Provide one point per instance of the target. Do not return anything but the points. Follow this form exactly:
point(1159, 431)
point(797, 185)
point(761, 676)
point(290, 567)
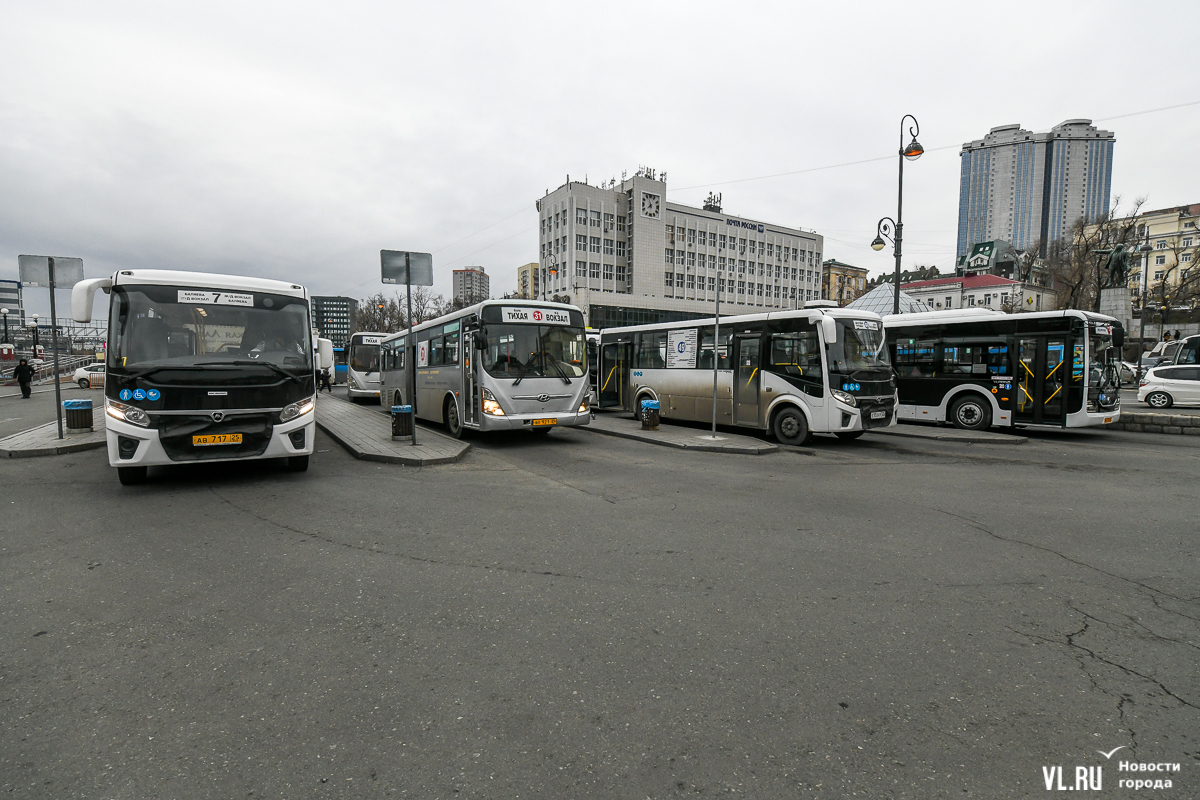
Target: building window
point(1159, 274)
point(608, 247)
point(721, 262)
point(712, 239)
point(595, 219)
point(620, 272)
point(581, 243)
point(669, 280)
point(581, 269)
point(1161, 244)
point(971, 300)
point(581, 216)
point(620, 249)
point(608, 272)
point(949, 302)
point(669, 258)
point(721, 241)
point(691, 281)
point(712, 283)
point(691, 259)
point(770, 250)
point(741, 245)
point(760, 288)
point(594, 269)
point(608, 222)
point(742, 266)
point(595, 244)
point(987, 299)
point(741, 287)
point(691, 236)
point(1187, 241)
point(1160, 260)
point(702, 261)
point(620, 223)
point(795, 254)
point(751, 245)
point(785, 253)
point(1186, 258)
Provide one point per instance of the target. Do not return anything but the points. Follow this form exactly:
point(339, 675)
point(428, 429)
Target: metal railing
point(66, 366)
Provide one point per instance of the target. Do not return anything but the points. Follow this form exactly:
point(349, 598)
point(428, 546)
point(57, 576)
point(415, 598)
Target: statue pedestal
point(1116, 302)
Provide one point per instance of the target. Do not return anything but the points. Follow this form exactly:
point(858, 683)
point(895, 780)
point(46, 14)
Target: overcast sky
point(295, 140)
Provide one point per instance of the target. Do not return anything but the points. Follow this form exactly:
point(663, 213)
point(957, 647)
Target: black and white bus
point(204, 367)
point(819, 369)
point(976, 368)
point(497, 365)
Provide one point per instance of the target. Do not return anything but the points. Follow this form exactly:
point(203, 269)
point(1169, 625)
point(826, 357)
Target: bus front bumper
point(527, 422)
point(150, 452)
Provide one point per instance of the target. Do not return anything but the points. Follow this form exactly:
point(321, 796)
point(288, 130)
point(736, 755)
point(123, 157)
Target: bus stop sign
point(35, 271)
point(405, 268)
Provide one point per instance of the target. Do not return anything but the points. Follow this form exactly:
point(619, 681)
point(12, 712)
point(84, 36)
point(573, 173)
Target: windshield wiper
point(561, 372)
point(245, 362)
point(143, 373)
point(521, 374)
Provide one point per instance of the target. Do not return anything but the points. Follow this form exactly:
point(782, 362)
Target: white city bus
point(204, 367)
point(819, 369)
point(496, 365)
point(362, 366)
point(976, 368)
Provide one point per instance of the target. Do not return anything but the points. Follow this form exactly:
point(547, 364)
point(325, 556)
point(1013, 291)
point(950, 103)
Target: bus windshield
point(546, 351)
point(364, 357)
point(182, 326)
point(859, 347)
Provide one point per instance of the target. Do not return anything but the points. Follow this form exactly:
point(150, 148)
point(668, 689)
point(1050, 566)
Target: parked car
point(1128, 371)
point(89, 376)
point(1170, 385)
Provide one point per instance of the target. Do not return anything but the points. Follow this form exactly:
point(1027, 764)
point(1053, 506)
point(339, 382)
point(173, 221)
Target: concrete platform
point(917, 431)
point(43, 440)
point(366, 434)
point(680, 436)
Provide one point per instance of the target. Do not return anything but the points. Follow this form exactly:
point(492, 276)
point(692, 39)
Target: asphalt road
point(583, 616)
point(18, 414)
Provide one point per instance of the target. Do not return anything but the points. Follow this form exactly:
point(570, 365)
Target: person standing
point(24, 375)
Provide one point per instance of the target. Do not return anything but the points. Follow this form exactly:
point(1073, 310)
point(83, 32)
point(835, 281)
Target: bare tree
point(1179, 286)
point(1076, 269)
point(379, 313)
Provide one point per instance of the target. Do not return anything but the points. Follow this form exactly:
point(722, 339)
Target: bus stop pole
point(411, 345)
point(716, 355)
point(54, 344)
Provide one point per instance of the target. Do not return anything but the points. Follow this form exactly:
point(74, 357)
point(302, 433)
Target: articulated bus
point(496, 365)
point(975, 368)
point(204, 367)
point(819, 369)
point(362, 370)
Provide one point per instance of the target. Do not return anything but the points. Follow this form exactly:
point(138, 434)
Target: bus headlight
point(297, 409)
point(841, 396)
point(490, 406)
point(126, 413)
point(583, 407)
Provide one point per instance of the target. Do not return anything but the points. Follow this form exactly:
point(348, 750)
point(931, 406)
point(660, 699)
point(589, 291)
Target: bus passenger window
point(437, 350)
point(451, 348)
point(958, 359)
point(997, 359)
point(651, 350)
point(796, 354)
point(914, 358)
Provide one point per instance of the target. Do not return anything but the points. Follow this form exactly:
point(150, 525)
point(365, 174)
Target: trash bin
point(402, 421)
point(649, 415)
point(78, 415)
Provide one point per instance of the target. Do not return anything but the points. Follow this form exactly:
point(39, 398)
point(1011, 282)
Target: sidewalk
point(919, 431)
point(43, 440)
point(366, 433)
point(680, 436)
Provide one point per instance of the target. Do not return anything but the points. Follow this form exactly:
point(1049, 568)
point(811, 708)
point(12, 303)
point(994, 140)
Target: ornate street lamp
point(894, 229)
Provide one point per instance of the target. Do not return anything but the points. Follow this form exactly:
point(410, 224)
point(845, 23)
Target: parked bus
point(819, 369)
point(496, 365)
point(204, 367)
point(362, 370)
point(976, 368)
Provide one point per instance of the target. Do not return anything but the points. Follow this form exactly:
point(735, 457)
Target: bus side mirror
point(829, 329)
point(1118, 338)
point(82, 296)
point(479, 340)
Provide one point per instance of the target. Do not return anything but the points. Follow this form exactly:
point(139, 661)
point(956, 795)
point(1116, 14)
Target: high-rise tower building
point(1025, 187)
point(471, 285)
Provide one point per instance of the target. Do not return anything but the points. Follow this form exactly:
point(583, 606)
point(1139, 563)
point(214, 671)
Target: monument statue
point(1118, 266)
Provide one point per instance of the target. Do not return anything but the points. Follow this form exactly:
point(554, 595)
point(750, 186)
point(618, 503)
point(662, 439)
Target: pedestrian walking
point(324, 383)
point(24, 375)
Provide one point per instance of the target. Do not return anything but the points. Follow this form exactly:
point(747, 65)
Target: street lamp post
point(4, 311)
point(1145, 250)
point(912, 151)
point(34, 325)
point(551, 269)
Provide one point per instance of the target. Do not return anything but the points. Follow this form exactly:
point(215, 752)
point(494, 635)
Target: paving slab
point(367, 435)
point(43, 440)
point(917, 431)
point(679, 436)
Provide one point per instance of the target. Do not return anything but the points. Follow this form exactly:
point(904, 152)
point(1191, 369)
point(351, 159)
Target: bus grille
point(176, 432)
point(886, 405)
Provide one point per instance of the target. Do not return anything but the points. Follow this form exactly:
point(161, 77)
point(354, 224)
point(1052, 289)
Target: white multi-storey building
point(471, 285)
point(626, 256)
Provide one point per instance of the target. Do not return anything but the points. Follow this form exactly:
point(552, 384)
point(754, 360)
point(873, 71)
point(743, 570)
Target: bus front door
point(613, 375)
point(746, 380)
point(1041, 380)
point(470, 388)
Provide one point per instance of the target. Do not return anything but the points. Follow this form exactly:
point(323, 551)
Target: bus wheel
point(1159, 400)
point(131, 476)
point(297, 463)
point(453, 424)
point(971, 413)
point(791, 427)
point(849, 435)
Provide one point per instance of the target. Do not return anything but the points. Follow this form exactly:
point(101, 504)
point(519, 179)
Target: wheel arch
point(957, 393)
point(780, 403)
point(450, 397)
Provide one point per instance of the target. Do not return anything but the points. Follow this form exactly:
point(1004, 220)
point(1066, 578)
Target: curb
point(362, 455)
point(954, 435)
point(745, 450)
